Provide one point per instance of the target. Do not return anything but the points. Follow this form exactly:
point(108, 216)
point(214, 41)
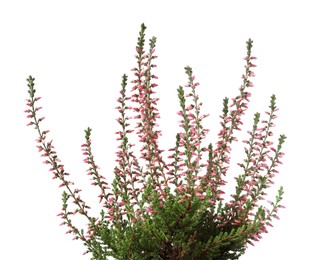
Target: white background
point(78, 51)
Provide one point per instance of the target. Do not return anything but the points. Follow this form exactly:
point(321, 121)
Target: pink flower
point(199, 195)
point(149, 210)
point(183, 199)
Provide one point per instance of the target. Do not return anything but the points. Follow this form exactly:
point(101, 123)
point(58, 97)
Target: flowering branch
point(143, 217)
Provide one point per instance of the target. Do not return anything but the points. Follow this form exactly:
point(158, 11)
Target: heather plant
point(175, 208)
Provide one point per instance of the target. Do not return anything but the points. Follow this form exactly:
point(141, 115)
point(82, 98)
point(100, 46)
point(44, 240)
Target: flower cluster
point(173, 210)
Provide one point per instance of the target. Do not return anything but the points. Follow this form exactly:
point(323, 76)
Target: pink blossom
point(149, 210)
point(183, 199)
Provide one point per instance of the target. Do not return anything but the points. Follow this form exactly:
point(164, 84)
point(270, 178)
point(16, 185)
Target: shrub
point(175, 210)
